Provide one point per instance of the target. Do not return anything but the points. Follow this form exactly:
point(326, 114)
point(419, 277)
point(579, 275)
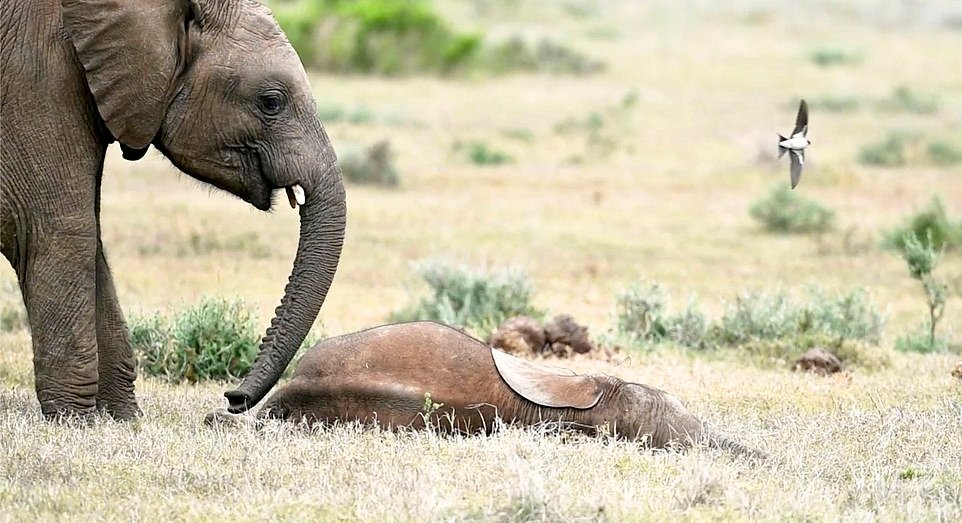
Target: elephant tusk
point(295, 195)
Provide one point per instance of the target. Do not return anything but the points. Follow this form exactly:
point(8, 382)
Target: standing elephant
point(419, 373)
point(212, 84)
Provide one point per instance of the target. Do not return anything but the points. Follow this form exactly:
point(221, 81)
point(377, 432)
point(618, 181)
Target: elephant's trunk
point(318, 251)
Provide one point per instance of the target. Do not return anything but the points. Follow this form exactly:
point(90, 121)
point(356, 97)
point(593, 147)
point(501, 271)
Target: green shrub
point(832, 320)
point(930, 222)
point(480, 153)
point(892, 151)
point(904, 99)
point(641, 317)
point(829, 55)
point(12, 317)
point(785, 211)
point(473, 298)
point(373, 166)
point(765, 326)
point(921, 259)
point(943, 153)
point(213, 340)
point(373, 36)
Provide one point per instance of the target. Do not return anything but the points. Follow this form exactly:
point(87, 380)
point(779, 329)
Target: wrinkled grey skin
point(212, 84)
point(381, 375)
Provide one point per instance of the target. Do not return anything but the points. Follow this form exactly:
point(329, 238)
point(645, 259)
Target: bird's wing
point(797, 156)
point(801, 121)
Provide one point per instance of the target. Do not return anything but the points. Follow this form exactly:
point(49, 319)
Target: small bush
point(904, 99)
point(921, 259)
point(12, 317)
point(784, 211)
point(213, 340)
point(515, 54)
point(374, 36)
point(766, 326)
point(829, 55)
point(480, 153)
point(373, 166)
point(641, 317)
point(758, 316)
point(930, 222)
point(944, 154)
point(892, 151)
point(478, 299)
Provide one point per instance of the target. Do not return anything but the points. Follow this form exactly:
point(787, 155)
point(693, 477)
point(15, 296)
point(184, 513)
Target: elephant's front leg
point(116, 359)
point(59, 291)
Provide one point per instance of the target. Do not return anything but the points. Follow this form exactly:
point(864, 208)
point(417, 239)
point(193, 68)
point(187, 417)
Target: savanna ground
point(661, 193)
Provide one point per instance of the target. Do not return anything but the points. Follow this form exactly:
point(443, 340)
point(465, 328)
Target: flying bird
point(795, 146)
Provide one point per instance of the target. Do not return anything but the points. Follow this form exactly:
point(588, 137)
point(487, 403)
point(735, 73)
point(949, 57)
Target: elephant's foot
point(120, 410)
point(116, 394)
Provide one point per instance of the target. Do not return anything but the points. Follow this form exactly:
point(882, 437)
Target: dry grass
point(669, 203)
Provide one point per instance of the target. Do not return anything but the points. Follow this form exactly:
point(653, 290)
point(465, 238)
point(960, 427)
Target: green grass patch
point(784, 211)
point(474, 298)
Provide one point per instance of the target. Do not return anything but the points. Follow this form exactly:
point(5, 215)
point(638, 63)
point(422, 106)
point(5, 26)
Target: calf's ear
point(546, 385)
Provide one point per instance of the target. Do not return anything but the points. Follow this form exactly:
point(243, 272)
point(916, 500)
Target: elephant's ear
point(545, 385)
point(131, 52)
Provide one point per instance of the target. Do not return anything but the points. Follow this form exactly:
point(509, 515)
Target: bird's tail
point(781, 150)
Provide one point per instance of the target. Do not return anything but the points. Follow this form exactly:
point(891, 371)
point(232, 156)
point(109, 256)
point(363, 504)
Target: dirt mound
point(561, 336)
point(519, 335)
point(564, 336)
point(818, 361)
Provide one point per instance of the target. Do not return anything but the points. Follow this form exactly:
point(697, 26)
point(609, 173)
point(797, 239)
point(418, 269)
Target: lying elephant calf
point(425, 373)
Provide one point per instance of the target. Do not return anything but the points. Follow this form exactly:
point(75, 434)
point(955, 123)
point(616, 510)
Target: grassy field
point(645, 171)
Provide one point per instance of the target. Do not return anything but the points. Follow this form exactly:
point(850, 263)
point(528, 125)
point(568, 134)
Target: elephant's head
point(216, 87)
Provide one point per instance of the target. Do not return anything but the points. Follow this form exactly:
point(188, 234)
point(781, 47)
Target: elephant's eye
point(271, 102)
